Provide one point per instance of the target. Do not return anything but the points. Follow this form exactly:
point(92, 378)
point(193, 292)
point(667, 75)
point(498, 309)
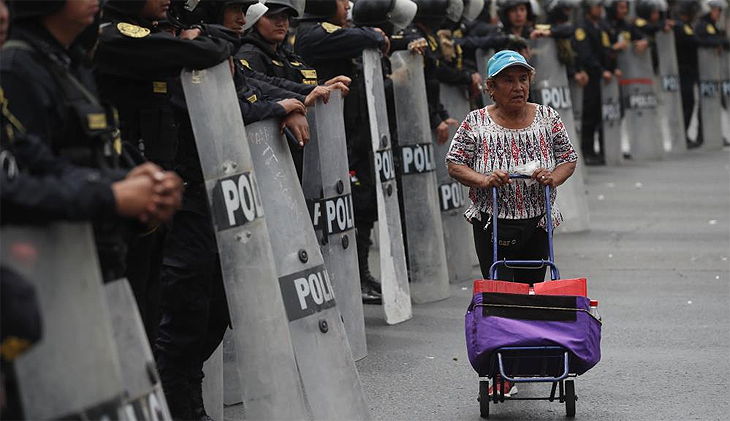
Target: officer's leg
point(218, 322)
point(185, 300)
point(144, 261)
point(591, 120)
point(687, 86)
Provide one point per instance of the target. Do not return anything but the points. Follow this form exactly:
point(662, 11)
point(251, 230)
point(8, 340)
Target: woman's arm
point(471, 178)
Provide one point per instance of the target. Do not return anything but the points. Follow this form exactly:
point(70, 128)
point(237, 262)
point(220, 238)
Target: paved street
point(657, 259)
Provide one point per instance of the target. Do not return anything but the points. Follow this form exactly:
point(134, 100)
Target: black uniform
point(137, 69)
point(686, 44)
point(620, 28)
point(592, 44)
point(281, 62)
point(335, 51)
point(53, 96)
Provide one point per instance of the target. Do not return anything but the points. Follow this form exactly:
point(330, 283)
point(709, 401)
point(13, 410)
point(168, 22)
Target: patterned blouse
point(484, 146)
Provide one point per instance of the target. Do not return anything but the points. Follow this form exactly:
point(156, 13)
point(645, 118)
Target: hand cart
point(527, 364)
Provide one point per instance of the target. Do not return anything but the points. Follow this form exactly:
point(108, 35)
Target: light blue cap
point(505, 59)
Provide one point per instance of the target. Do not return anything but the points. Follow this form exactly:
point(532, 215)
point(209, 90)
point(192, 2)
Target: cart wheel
point(570, 398)
point(484, 399)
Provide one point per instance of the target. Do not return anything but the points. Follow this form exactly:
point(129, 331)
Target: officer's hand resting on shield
point(418, 46)
point(295, 119)
point(640, 46)
point(387, 40)
point(581, 78)
point(442, 130)
point(339, 79)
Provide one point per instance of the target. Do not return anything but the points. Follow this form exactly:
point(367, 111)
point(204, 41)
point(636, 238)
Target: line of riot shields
point(287, 249)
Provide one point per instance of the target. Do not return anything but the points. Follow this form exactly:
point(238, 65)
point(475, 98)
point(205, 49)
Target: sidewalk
point(657, 259)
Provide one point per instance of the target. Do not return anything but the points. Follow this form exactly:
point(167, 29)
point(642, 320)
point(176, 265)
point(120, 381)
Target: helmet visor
point(403, 13)
point(472, 9)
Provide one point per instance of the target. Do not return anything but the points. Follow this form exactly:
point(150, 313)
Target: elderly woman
point(496, 140)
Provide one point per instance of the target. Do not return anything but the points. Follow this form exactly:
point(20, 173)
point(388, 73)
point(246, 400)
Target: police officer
point(650, 19)
point(450, 38)
point(686, 43)
point(592, 45)
point(707, 30)
point(560, 26)
point(137, 70)
point(50, 90)
point(620, 33)
point(481, 33)
point(323, 42)
point(264, 49)
point(264, 52)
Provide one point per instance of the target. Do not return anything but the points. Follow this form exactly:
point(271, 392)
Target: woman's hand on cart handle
point(544, 177)
point(496, 178)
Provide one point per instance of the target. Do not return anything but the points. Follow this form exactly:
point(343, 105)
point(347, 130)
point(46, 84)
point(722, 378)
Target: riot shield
point(725, 89)
point(550, 87)
point(73, 372)
point(427, 268)
point(482, 57)
point(254, 298)
point(393, 271)
point(639, 100)
point(452, 196)
point(145, 399)
point(326, 186)
point(576, 98)
point(670, 96)
point(710, 98)
point(326, 368)
point(213, 394)
point(611, 119)
point(231, 383)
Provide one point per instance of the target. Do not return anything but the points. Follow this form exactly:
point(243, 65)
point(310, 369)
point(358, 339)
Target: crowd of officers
point(95, 125)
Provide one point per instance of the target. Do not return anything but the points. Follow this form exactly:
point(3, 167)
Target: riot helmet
point(32, 9)
point(612, 6)
point(716, 4)
point(472, 9)
point(322, 9)
point(379, 13)
point(213, 10)
point(431, 12)
point(295, 7)
point(644, 8)
point(504, 6)
point(559, 10)
point(688, 8)
point(130, 8)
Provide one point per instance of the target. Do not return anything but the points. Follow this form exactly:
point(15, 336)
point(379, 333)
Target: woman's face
point(518, 15)
point(234, 18)
point(511, 87)
point(273, 28)
point(596, 11)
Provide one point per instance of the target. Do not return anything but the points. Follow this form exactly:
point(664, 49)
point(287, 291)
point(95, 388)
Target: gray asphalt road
point(657, 259)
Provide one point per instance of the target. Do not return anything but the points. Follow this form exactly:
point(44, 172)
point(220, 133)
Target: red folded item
point(562, 287)
point(488, 285)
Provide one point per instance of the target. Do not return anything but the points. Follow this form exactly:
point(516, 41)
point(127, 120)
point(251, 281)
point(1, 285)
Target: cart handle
point(533, 379)
point(554, 273)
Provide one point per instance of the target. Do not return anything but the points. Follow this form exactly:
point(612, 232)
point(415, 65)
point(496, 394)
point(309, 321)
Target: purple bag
point(496, 320)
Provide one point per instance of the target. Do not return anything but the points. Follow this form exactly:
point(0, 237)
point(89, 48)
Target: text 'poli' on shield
point(236, 201)
point(306, 292)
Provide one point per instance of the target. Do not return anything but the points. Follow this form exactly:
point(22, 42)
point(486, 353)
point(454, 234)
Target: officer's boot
point(198, 407)
point(179, 403)
point(369, 286)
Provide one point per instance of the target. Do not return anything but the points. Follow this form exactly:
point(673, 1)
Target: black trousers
point(687, 85)
point(144, 262)
point(592, 119)
point(522, 239)
point(194, 311)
